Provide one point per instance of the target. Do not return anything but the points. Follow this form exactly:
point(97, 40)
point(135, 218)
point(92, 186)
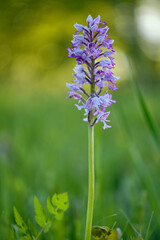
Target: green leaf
point(50, 207)
point(60, 201)
point(40, 215)
point(146, 112)
point(19, 221)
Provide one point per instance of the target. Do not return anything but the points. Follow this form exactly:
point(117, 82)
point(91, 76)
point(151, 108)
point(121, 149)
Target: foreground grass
point(43, 149)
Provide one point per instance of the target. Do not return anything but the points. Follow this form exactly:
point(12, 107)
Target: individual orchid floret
point(93, 51)
point(79, 27)
point(73, 87)
point(103, 118)
point(108, 53)
point(89, 21)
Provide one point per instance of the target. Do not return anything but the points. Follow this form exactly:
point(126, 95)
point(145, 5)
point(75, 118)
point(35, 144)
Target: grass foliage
point(43, 149)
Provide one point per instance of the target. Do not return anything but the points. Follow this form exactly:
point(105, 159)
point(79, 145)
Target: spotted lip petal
point(88, 46)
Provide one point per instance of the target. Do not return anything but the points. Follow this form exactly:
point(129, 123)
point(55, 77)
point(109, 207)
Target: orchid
point(94, 68)
point(88, 46)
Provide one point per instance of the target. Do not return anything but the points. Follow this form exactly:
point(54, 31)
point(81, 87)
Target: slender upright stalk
point(91, 182)
point(90, 165)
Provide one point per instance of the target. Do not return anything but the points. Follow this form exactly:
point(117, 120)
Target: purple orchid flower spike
point(90, 44)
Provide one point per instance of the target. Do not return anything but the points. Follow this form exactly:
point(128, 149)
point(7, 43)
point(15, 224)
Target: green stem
point(91, 182)
point(40, 232)
point(90, 166)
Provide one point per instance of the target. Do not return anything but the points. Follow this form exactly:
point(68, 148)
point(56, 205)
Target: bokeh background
point(43, 140)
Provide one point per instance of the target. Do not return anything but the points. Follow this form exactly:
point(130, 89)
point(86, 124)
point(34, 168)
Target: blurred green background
point(43, 140)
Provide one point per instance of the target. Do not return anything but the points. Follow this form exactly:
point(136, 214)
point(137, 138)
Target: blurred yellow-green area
point(43, 140)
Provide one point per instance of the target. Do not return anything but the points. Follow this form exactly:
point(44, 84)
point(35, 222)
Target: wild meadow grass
point(43, 150)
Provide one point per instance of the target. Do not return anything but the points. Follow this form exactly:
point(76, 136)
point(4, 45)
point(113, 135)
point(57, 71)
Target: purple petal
point(105, 63)
point(79, 107)
point(100, 39)
point(79, 27)
point(74, 95)
point(106, 126)
point(89, 20)
point(108, 53)
point(85, 119)
point(89, 104)
point(73, 87)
